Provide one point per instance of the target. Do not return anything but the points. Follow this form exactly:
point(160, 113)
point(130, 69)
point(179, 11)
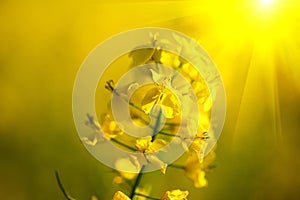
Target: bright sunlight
point(266, 2)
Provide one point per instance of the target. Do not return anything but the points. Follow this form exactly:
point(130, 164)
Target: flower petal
point(175, 195)
point(157, 162)
point(120, 196)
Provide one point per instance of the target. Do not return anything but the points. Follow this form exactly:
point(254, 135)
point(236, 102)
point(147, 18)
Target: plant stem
point(177, 166)
point(157, 123)
point(135, 106)
point(172, 124)
point(167, 134)
point(139, 177)
point(61, 187)
point(137, 182)
point(122, 144)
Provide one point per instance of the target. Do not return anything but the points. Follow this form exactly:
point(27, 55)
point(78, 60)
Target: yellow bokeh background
point(255, 45)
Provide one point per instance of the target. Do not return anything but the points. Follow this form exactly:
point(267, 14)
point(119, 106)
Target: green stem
point(141, 110)
point(167, 134)
point(135, 106)
point(137, 182)
point(122, 144)
point(61, 187)
point(177, 166)
point(157, 123)
point(172, 135)
point(139, 177)
point(112, 89)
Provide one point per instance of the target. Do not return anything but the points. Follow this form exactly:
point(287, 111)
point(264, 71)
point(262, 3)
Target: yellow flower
point(118, 180)
point(143, 144)
point(169, 59)
point(158, 93)
point(94, 198)
point(91, 142)
point(196, 169)
point(157, 162)
point(175, 195)
point(190, 142)
point(149, 149)
point(146, 146)
point(110, 128)
point(199, 145)
point(198, 176)
point(120, 196)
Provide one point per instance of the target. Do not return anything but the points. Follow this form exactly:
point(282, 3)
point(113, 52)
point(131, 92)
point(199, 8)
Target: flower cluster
point(169, 195)
point(193, 140)
point(107, 131)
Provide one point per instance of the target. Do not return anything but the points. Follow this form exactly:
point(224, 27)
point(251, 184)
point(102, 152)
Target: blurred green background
point(255, 45)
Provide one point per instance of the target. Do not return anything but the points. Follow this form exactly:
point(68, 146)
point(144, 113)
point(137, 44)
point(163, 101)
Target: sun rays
point(249, 41)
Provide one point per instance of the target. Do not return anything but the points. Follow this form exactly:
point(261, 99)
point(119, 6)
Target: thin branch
point(177, 166)
point(61, 187)
point(137, 182)
point(139, 177)
point(167, 134)
point(122, 144)
point(156, 125)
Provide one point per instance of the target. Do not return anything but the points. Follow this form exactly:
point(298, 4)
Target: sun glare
point(266, 2)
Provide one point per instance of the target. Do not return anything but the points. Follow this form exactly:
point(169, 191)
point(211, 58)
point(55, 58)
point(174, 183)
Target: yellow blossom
point(198, 177)
point(91, 142)
point(196, 169)
point(106, 131)
point(157, 162)
point(149, 149)
point(94, 197)
point(146, 146)
point(169, 59)
point(120, 196)
point(143, 144)
point(175, 195)
point(110, 128)
point(190, 142)
point(118, 180)
point(199, 144)
point(157, 93)
point(207, 104)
